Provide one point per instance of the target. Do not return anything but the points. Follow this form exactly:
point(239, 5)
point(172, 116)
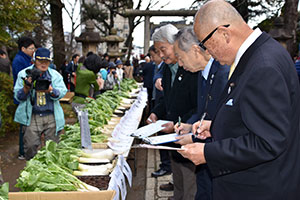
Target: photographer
point(38, 89)
point(112, 77)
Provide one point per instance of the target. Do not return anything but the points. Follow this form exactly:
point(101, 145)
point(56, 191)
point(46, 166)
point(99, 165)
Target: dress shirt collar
point(206, 70)
point(159, 65)
point(247, 43)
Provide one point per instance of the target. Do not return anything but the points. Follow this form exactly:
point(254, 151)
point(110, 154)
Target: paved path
point(152, 184)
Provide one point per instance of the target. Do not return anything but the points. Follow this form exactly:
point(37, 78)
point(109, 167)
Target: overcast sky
point(139, 31)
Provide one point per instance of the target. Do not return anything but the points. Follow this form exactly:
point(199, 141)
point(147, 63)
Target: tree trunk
point(57, 32)
point(129, 39)
point(290, 16)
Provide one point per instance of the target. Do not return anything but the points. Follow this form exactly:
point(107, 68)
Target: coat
point(255, 154)
point(24, 111)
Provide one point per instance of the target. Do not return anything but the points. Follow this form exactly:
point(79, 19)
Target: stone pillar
point(147, 34)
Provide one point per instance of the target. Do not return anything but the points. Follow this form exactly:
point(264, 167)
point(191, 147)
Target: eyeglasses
point(201, 44)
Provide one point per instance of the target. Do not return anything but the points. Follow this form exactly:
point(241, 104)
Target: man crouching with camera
point(38, 89)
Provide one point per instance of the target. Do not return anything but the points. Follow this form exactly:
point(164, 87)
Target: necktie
point(203, 86)
point(232, 68)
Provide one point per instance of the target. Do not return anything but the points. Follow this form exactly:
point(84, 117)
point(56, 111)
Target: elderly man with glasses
point(179, 100)
point(256, 136)
point(212, 78)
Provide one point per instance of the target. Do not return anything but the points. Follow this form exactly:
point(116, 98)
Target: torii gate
point(149, 13)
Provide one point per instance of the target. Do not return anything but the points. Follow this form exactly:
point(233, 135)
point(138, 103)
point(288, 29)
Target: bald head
point(215, 13)
point(221, 29)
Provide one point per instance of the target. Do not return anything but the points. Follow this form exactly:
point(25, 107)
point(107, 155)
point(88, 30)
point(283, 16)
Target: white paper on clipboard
point(149, 146)
point(150, 129)
point(161, 139)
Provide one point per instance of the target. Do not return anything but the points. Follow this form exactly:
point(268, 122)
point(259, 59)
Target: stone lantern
point(89, 38)
point(112, 42)
point(279, 33)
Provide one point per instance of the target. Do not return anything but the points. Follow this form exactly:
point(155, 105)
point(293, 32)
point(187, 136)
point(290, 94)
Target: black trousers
point(164, 157)
point(204, 183)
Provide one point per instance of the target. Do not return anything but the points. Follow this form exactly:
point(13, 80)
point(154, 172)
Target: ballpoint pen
point(201, 121)
point(179, 124)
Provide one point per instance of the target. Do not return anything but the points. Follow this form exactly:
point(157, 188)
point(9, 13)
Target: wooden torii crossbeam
point(149, 13)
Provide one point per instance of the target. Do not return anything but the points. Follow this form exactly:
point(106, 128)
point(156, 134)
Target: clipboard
point(149, 146)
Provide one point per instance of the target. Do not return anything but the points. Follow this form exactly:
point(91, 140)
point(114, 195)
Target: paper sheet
point(161, 139)
point(149, 146)
point(150, 129)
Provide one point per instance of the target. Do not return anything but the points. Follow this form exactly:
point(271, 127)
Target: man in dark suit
point(179, 99)
point(148, 72)
point(255, 152)
point(211, 83)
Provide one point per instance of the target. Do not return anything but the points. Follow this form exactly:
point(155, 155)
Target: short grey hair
point(165, 34)
point(186, 38)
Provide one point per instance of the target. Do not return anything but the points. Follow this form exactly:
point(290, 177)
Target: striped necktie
point(232, 68)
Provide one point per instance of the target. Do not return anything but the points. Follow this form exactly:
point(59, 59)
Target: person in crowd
point(89, 53)
point(297, 65)
point(211, 83)
point(21, 61)
point(52, 65)
point(179, 100)
point(112, 77)
point(147, 59)
point(156, 94)
point(119, 69)
point(4, 62)
point(148, 73)
point(165, 165)
point(103, 70)
point(71, 72)
point(106, 57)
point(128, 70)
point(255, 148)
point(87, 83)
point(63, 72)
point(137, 70)
point(38, 89)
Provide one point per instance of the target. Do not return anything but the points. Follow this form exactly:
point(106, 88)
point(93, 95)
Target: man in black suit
point(211, 83)
point(179, 99)
point(255, 152)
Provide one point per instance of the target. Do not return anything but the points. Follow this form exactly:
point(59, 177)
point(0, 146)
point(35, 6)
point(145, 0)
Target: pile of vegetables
point(55, 166)
point(4, 191)
point(100, 111)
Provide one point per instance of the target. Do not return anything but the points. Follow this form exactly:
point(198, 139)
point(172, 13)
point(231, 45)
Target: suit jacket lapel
point(241, 67)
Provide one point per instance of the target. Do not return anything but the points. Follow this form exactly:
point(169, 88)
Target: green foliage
point(7, 107)
point(16, 16)
point(50, 170)
point(99, 111)
point(4, 191)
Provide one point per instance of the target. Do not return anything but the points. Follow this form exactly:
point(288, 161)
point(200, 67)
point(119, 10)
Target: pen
point(179, 123)
point(201, 121)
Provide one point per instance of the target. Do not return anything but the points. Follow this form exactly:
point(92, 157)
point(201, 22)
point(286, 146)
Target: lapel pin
point(180, 78)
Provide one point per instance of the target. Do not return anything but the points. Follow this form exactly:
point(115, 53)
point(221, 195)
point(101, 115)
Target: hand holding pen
point(201, 129)
point(179, 124)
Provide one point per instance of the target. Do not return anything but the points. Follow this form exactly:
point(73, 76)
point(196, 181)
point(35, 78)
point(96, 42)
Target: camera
point(37, 83)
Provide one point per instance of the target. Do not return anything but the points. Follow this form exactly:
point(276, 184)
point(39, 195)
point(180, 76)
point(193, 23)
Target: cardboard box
point(101, 195)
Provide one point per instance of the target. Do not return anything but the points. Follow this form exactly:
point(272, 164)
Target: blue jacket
point(215, 84)
point(20, 62)
point(24, 110)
